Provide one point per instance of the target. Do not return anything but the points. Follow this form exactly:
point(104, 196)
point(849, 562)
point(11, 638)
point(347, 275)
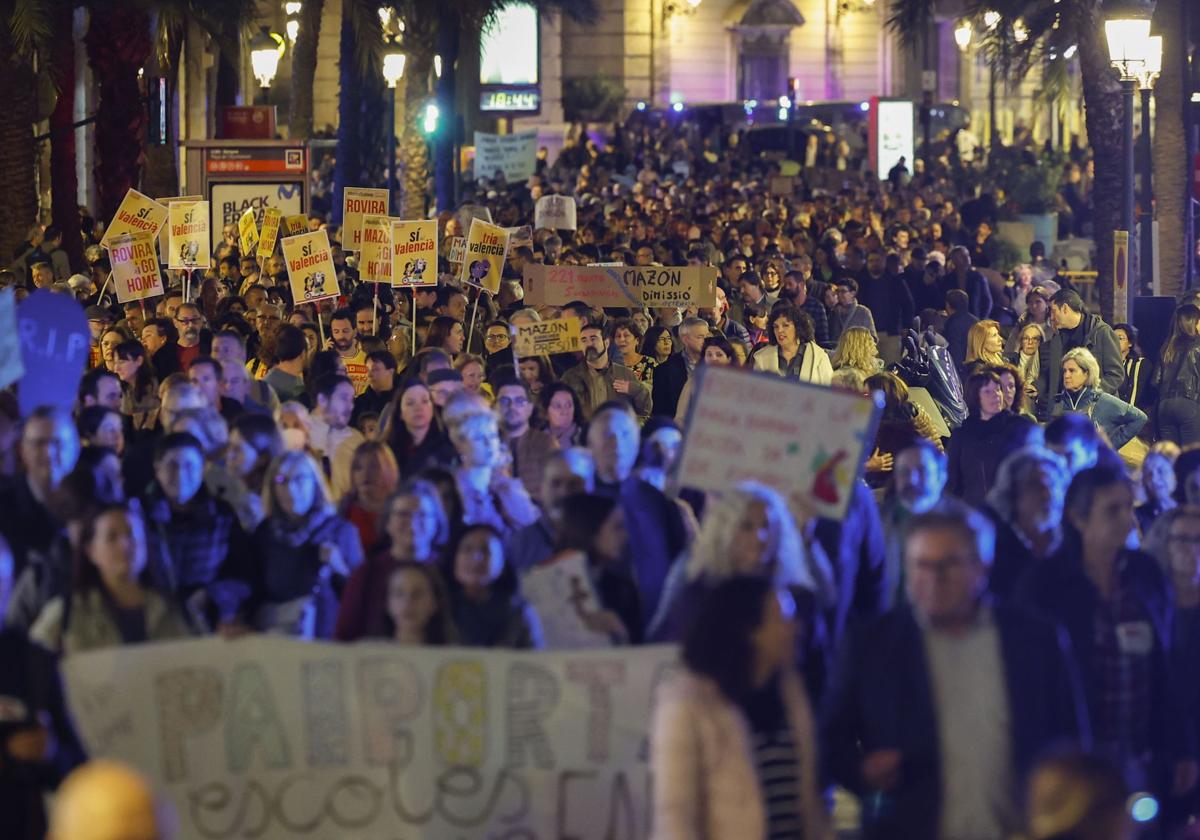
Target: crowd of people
point(1006, 616)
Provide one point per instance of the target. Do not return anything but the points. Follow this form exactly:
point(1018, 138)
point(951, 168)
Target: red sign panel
point(256, 161)
point(248, 122)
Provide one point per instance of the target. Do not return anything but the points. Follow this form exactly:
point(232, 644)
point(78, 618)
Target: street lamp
point(393, 71)
point(1146, 78)
point(1127, 41)
point(292, 27)
point(962, 35)
point(264, 58)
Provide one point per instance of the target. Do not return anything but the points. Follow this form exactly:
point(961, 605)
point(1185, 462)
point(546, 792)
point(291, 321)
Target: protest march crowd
point(1000, 638)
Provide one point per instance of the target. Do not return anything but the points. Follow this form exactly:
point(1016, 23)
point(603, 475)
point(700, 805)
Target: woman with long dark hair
point(415, 432)
point(734, 748)
point(485, 601)
point(657, 345)
point(446, 334)
point(564, 415)
point(139, 400)
point(418, 608)
point(716, 350)
point(792, 352)
point(1177, 379)
point(1139, 371)
point(109, 604)
point(988, 435)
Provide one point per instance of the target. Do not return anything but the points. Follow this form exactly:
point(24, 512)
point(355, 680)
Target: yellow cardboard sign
point(164, 232)
point(561, 335)
point(310, 268)
point(272, 219)
point(190, 244)
point(294, 225)
point(247, 234)
point(414, 253)
point(375, 258)
point(358, 202)
point(135, 273)
point(137, 214)
point(487, 247)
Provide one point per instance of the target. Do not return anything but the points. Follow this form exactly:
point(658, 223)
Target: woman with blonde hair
point(985, 345)
point(857, 349)
point(1081, 394)
point(303, 552)
point(374, 475)
point(747, 530)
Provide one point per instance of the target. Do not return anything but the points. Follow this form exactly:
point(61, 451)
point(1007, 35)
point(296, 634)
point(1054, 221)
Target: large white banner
point(268, 737)
point(513, 154)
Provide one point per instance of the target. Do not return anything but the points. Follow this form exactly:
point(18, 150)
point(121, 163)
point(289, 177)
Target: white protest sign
point(275, 738)
point(807, 441)
point(556, 212)
point(513, 154)
point(562, 596)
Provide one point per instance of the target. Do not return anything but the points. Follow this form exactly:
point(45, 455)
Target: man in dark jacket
point(886, 295)
point(958, 324)
point(1075, 328)
point(960, 275)
point(938, 710)
point(673, 374)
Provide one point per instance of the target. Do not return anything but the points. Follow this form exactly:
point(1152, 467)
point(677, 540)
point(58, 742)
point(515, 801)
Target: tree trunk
point(414, 150)
point(118, 44)
point(227, 80)
point(1172, 188)
point(444, 144)
point(18, 210)
point(348, 163)
point(64, 183)
point(1103, 109)
point(304, 70)
point(161, 178)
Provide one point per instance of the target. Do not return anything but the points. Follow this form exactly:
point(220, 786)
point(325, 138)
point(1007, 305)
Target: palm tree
point(304, 70)
point(26, 29)
point(1172, 189)
point(1054, 28)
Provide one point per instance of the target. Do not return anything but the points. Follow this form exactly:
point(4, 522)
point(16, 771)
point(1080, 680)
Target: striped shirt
point(779, 777)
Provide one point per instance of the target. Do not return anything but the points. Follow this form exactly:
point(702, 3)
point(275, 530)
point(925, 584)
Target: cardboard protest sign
point(561, 335)
point(272, 220)
point(164, 232)
point(487, 246)
point(190, 240)
point(518, 236)
point(561, 595)
point(375, 257)
point(358, 202)
point(807, 441)
point(247, 234)
point(515, 155)
point(136, 214)
point(414, 253)
point(273, 737)
point(782, 185)
point(55, 345)
point(624, 286)
point(11, 366)
point(135, 273)
point(293, 225)
point(556, 212)
point(458, 249)
point(310, 267)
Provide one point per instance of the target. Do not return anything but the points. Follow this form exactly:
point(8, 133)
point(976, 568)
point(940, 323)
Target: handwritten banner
point(310, 267)
point(272, 220)
point(458, 249)
point(561, 335)
point(414, 253)
point(515, 155)
point(556, 212)
point(807, 441)
point(247, 233)
point(137, 213)
point(271, 737)
point(620, 286)
point(135, 273)
point(191, 242)
point(487, 246)
point(358, 202)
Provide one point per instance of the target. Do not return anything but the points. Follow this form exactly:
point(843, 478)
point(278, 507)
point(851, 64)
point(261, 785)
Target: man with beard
point(189, 321)
point(796, 290)
point(330, 432)
point(344, 340)
point(598, 381)
point(530, 447)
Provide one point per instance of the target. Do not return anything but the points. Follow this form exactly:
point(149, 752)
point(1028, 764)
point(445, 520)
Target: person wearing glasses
point(531, 448)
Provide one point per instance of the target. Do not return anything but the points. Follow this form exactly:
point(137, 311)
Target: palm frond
point(368, 35)
point(30, 25)
point(910, 19)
